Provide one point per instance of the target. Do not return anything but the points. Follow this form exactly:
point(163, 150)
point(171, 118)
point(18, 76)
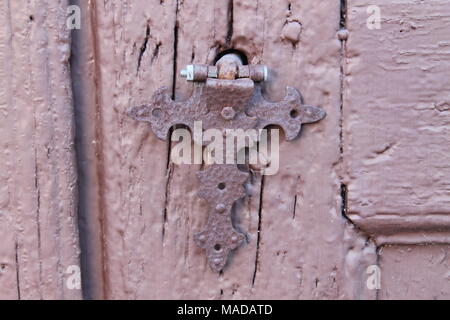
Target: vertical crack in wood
point(155, 52)
point(295, 206)
point(169, 144)
point(344, 213)
point(143, 47)
point(166, 195)
point(344, 202)
point(17, 269)
point(230, 15)
point(187, 242)
point(378, 262)
point(258, 236)
point(342, 25)
point(343, 187)
point(38, 211)
point(175, 50)
point(343, 19)
point(36, 186)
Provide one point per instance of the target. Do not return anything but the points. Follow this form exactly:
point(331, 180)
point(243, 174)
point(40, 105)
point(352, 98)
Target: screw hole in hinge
point(221, 186)
point(217, 247)
point(156, 112)
point(293, 113)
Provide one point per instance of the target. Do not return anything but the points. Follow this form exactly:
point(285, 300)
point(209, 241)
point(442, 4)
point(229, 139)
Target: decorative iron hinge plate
point(226, 96)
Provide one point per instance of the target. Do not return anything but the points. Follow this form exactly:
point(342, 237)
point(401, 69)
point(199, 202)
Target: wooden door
point(357, 210)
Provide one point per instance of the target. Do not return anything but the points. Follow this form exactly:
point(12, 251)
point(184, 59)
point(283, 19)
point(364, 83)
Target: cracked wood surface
point(396, 141)
point(38, 221)
point(415, 272)
point(312, 229)
point(396, 121)
point(149, 208)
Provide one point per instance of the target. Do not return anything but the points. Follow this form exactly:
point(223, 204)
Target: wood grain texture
point(132, 168)
point(38, 221)
point(363, 187)
point(298, 243)
point(412, 272)
point(396, 121)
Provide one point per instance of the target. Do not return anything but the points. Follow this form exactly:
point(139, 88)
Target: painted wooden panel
point(39, 251)
point(396, 120)
point(83, 184)
point(299, 244)
point(415, 272)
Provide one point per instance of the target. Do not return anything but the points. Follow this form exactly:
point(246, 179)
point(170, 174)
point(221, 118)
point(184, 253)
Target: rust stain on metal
point(221, 186)
point(226, 96)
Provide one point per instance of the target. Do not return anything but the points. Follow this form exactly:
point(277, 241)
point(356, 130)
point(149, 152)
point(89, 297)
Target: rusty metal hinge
point(226, 96)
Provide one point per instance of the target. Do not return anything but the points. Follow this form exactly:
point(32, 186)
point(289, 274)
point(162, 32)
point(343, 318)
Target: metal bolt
point(266, 73)
point(221, 208)
point(228, 113)
point(188, 72)
point(342, 34)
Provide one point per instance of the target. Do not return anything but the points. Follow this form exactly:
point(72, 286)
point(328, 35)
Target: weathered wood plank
point(148, 206)
point(134, 56)
point(412, 272)
point(38, 219)
point(301, 251)
point(396, 107)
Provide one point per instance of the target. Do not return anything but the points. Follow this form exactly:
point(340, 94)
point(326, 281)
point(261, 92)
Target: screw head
point(221, 208)
point(188, 72)
point(342, 34)
point(228, 113)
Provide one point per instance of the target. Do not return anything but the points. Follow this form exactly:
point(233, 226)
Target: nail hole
point(221, 186)
point(217, 247)
point(293, 113)
point(156, 112)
